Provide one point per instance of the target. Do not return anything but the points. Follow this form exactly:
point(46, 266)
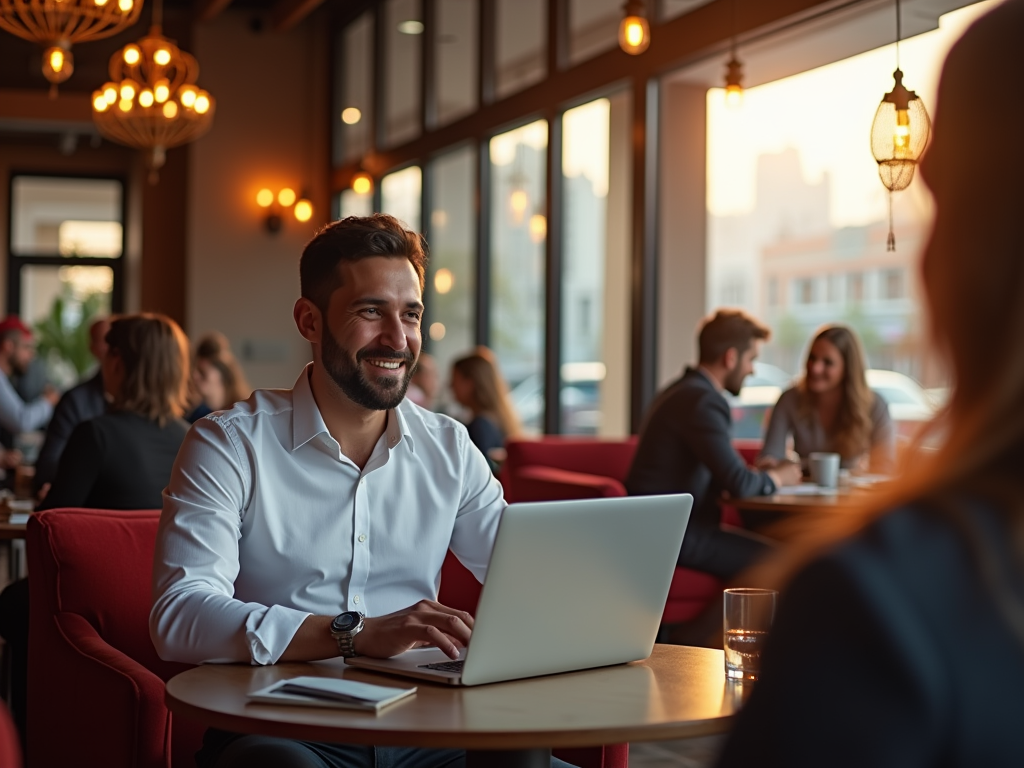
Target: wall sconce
point(302, 208)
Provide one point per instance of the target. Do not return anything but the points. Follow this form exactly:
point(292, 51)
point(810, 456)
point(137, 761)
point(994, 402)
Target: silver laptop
point(571, 585)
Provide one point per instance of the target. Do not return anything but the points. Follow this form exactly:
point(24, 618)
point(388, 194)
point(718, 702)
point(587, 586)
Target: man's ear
point(308, 319)
point(730, 358)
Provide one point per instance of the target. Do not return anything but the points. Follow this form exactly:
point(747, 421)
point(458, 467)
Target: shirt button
point(362, 482)
point(362, 537)
point(355, 599)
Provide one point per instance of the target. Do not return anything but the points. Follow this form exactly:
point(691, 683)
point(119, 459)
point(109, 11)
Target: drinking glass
point(748, 617)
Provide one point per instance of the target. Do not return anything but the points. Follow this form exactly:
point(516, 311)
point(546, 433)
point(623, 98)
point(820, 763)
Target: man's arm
point(18, 416)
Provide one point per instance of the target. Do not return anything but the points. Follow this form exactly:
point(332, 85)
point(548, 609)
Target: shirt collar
point(308, 422)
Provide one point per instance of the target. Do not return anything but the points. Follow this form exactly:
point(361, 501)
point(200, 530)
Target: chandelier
point(152, 102)
point(57, 24)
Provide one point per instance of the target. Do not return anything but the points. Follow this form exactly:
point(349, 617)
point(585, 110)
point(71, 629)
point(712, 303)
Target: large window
point(520, 58)
point(400, 196)
point(403, 31)
point(353, 104)
point(455, 46)
point(518, 236)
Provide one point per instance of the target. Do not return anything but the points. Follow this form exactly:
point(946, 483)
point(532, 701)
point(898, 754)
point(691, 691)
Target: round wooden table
point(678, 692)
point(785, 503)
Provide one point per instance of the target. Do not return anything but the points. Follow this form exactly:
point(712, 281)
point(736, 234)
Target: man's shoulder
point(428, 423)
point(262, 404)
point(691, 390)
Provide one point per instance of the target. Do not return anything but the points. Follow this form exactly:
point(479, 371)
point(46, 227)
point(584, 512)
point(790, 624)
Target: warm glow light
point(362, 184)
point(99, 102)
point(437, 331)
point(264, 198)
point(538, 227)
point(519, 201)
point(187, 96)
point(303, 210)
point(100, 3)
point(410, 27)
point(146, 98)
point(110, 93)
point(125, 105)
point(901, 136)
point(202, 104)
point(125, 5)
point(171, 110)
point(162, 57)
point(127, 91)
point(132, 54)
point(634, 35)
point(162, 91)
point(56, 59)
point(444, 280)
point(351, 116)
point(734, 96)
point(286, 197)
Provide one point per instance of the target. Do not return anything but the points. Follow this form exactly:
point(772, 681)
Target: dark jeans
point(222, 749)
point(722, 552)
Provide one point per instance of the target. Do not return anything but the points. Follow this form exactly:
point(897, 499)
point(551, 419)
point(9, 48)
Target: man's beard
point(379, 394)
point(734, 381)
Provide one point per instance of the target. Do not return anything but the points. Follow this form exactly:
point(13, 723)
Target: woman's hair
point(214, 349)
point(973, 276)
point(489, 395)
point(852, 431)
point(154, 353)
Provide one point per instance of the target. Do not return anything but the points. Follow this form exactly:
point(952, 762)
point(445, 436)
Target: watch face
point(344, 622)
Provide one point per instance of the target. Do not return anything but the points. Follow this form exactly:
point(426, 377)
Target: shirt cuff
point(268, 633)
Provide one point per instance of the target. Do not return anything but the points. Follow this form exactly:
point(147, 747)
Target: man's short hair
point(352, 239)
point(728, 329)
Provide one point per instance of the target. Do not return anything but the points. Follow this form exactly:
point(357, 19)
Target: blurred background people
point(83, 402)
point(832, 409)
point(17, 350)
point(902, 644)
point(477, 385)
point(426, 383)
point(217, 377)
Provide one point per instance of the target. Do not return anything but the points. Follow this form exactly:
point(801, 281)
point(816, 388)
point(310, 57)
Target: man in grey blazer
point(686, 447)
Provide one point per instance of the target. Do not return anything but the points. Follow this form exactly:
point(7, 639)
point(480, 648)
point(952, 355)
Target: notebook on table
point(571, 585)
point(330, 692)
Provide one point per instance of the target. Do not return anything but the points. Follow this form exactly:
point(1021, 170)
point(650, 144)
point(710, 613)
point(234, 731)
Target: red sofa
point(10, 749)
point(554, 468)
point(96, 684)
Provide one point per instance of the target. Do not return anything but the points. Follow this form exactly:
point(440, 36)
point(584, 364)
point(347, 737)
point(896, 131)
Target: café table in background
point(679, 692)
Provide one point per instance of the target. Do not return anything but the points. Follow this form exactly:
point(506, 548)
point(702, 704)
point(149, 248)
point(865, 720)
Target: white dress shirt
point(18, 416)
point(266, 522)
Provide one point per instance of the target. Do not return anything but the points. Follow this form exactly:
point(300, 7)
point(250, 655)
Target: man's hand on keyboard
point(426, 623)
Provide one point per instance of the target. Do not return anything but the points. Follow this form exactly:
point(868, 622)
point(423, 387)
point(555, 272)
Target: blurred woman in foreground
point(903, 645)
point(832, 409)
point(478, 386)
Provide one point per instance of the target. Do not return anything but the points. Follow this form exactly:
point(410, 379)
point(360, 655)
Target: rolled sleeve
point(480, 506)
point(195, 617)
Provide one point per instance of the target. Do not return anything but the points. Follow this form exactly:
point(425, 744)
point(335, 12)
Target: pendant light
point(634, 31)
point(899, 135)
point(733, 71)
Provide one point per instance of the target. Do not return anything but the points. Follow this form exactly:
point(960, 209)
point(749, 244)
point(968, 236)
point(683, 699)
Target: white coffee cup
point(824, 469)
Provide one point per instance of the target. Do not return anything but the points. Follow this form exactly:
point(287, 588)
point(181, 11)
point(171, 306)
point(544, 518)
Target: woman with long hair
point(217, 377)
point(900, 641)
point(479, 387)
point(832, 409)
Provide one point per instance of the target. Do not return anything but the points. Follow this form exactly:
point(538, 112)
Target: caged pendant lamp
point(899, 135)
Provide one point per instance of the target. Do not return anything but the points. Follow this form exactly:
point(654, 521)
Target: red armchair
point(95, 682)
point(10, 750)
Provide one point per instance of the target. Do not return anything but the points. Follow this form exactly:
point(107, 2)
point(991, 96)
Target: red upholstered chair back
point(100, 567)
point(10, 749)
point(609, 458)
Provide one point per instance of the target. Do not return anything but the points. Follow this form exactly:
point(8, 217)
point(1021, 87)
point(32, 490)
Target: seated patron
point(330, 506)
point(478, 386)
point(901, 643)
point(17, 351)
point(82, 402)
point(425, 383)
point(685, 446)
point(832, 409)
point(217, 378)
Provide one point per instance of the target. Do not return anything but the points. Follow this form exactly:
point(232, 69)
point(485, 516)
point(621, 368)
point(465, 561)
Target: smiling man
point(312, 522)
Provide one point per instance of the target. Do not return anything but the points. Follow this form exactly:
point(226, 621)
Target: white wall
point(271, 132)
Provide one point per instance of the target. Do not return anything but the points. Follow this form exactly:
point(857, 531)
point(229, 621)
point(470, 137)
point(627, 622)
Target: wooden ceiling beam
point(36, 106)
point(205, 10)
point(285, 14)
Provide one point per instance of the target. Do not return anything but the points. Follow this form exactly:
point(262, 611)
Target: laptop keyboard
point(445, 666)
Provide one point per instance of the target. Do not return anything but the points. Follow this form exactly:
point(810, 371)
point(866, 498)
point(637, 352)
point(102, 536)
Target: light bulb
point(187, 96)
point(127, 91)
point(125, 5)
point(518, 202)
point(303, 210)
point(437, 331)
point(443, 280)
point(286, 197)
point(634, 35)
point(100, 3)
point(146, 98)
point(362, 184)
point(125, 105)
point(410, 27)
point(202, 105)
point(132, 54)
point(901, 136)
point(538, 227)
point(162, 57)
point(264, 198)
point(99, 102)
point(110, 93)
point(171, 110)
point(56, 59)
point(734, 96)
point(351, 116)
point(162, 91)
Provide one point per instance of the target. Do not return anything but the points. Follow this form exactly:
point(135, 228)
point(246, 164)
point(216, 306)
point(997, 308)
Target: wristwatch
point(344, 628)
